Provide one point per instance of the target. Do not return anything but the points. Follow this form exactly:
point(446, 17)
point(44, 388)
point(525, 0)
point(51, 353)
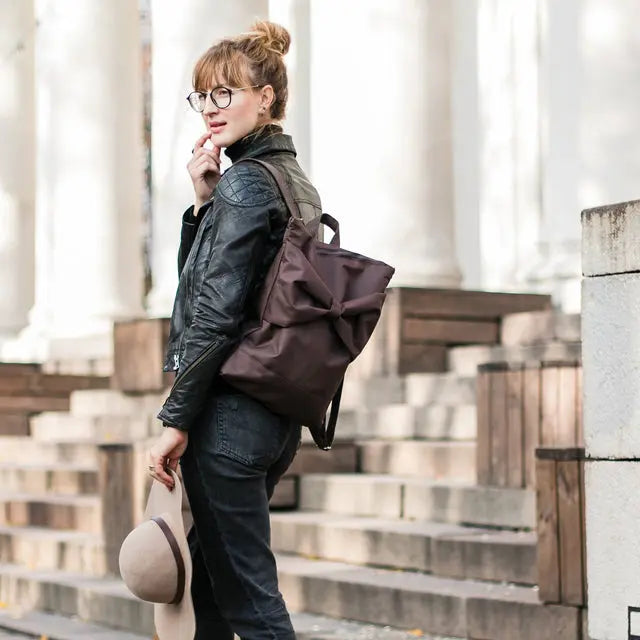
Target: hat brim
point(177, 621)
point(173, 621)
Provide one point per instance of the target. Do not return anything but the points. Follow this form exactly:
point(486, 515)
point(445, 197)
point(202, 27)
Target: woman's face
point(246, 110)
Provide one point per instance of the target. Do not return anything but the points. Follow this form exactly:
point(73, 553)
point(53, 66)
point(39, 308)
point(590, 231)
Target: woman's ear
point(267, 96)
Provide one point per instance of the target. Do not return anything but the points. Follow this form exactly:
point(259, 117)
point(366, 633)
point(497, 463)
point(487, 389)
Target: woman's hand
point(166, 453)
point(204, 169)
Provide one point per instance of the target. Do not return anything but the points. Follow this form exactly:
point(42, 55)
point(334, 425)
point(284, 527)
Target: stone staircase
point(26, 389)
point(407, 545)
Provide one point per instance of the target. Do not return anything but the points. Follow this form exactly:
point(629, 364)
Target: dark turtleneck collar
point(270, 139)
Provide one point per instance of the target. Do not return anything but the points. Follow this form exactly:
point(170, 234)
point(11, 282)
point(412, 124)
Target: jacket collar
point(271, 139)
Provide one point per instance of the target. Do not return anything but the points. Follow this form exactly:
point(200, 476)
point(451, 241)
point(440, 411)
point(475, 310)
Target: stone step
point(77, 513)
point(402, 421)
point(435, 460)
point(50, 626)
point(410, 498)
point(448, 389)
point(446, 550)
point(39, 384)
point(68, 427)
point(25, 448)
point(341, 458)
point(536, 327)
point(465, 360)
point(97, 600)
point(446, 423)
point(41, 548)
point(460, 608)
point(112, 402)
point(33, 403)
point(14, 423)
point(443, 549)
point(38, 624)
point(436, 421)
point(11, 369)
point(314, 627)
point(71, 479)
point(372, 392)
point(10, 635)
point(79, 366)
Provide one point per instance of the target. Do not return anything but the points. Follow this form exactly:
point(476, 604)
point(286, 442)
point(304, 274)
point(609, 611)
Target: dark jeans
point(237, 452)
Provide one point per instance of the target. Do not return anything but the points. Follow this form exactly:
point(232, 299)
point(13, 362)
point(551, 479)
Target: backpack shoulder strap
point(285, 190)
point(323, 435)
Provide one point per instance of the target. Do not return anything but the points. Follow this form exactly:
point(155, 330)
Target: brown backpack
point(317, 309)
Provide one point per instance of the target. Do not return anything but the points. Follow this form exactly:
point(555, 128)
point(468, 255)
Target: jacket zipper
point(205, 353)
point(192, 261)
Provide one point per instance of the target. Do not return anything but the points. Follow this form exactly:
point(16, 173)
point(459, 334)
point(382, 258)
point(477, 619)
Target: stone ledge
point(610, 239)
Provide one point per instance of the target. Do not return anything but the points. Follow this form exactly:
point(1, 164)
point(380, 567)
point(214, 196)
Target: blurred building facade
point(456, 139)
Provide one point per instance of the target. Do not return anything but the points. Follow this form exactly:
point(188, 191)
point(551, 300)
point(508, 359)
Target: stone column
point(381, 131)
point(179, 38)
point(17, 165)
point(295, 15)
point(611, 357)
point(589, 62)
point(89, 177)
point(557, 268)
point(509, 153)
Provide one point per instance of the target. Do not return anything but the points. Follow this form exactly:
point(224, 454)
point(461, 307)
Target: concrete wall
point(611, 357)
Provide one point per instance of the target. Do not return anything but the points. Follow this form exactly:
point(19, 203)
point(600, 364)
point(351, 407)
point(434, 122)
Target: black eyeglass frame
point(231, 91)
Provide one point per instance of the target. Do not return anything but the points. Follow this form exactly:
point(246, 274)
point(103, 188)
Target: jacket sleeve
point(246, 200)
point(190, 224)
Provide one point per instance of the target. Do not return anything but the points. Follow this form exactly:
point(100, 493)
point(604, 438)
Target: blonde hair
point(252, 58)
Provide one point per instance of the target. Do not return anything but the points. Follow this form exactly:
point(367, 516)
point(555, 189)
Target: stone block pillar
point(611, 358)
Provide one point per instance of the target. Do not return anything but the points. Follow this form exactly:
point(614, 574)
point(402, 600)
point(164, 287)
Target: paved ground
point(6, 635)
point(42, 626)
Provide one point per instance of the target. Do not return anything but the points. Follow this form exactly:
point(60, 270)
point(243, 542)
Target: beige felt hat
point(155, 563)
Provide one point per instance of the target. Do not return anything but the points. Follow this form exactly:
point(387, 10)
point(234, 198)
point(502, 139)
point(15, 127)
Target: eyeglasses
point(220, 96)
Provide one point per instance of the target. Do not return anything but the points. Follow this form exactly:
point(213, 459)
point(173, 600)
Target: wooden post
point(499, 427)
point(561, 539)
point(483, 433)
point(515, 434)
point(547, 525)
point(499, 452)
point(138, 353)
point(549, 386)
point(116, 470)
point(520, 407)
point(532, 417)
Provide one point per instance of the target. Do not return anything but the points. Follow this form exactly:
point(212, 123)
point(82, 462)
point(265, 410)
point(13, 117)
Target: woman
point(232, 450)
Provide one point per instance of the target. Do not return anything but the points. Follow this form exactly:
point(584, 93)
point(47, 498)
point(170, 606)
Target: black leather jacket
point(225, 252)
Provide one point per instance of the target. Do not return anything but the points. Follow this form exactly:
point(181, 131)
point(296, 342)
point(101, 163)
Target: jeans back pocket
point(249, 432)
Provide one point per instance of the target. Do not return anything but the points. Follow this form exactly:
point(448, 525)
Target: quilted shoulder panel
point(247, 185)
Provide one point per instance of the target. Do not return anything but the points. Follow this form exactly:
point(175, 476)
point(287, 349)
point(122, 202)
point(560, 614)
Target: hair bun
point(271, 36)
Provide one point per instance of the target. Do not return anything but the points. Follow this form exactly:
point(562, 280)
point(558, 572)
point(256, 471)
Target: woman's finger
point(201, 140)
point(202, 151)
point(206, 165)
point(162, 474)
point(158, 461)
point(197, 162)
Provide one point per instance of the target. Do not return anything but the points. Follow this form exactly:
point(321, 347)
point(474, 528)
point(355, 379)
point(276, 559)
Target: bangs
point(221, 65)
